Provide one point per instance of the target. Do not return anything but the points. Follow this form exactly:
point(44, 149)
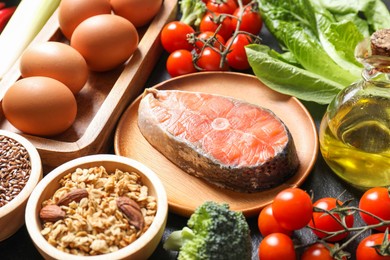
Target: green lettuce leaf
point(373, 13)
point(318, 39)
point(288, 79)
point(339, 39)
point(296, 29)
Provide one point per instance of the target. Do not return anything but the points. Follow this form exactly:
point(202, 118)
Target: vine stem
point(224, 51)
point(343, 211)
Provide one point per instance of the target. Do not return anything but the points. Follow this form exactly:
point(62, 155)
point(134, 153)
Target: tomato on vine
point(215, 40)
point(267, 223)
point(236, 57)
point(251, 21)
point(370, 248)
point(319, 251)
point(174, 36)
point(217, 23)
point(179, 63)
point(375, 201)
point(210, 60)
point(222, 6)
point(292, 208)
point(327, 223)
point(277, 246)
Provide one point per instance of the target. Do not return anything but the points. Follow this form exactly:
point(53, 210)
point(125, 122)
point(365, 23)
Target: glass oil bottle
point(354, 133)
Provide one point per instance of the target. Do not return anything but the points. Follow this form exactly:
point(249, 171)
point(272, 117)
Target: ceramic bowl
point(141, 248)
point(12, 213)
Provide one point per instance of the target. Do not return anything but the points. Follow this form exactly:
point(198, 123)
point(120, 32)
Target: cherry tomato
point(174, 36)
point(237, 58)
point(216, 41)
point(210, 60)
point(326, 222)
point(251, 21)
point(365, 249)
point(222, 6)
point(318, 251)
point(277, 246)
point(267, 223)
point(292, 208)
point(180, 63)
point(376, 201)
point(211, 23)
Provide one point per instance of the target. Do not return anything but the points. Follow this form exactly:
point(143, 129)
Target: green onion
point(29, 18)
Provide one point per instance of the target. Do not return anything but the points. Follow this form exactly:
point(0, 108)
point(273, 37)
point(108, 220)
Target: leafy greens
point(318, 38)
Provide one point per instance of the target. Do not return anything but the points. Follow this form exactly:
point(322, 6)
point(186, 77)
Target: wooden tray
point(102, 99)
point(186, 192)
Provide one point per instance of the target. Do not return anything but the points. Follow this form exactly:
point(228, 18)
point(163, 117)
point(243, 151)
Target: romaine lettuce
point(319, 37)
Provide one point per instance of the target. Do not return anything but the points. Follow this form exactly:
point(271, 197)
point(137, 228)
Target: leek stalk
point(29, 18)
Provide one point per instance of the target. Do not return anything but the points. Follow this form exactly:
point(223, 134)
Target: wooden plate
point(186, 192)
point(102, 100)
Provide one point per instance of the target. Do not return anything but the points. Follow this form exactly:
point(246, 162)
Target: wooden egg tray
point(102, 100)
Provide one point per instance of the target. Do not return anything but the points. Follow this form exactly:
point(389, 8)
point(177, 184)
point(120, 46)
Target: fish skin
point(193, 160)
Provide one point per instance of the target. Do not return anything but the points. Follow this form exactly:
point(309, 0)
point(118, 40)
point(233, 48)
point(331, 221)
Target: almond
point(132, 211)
point(51, 213)
point(74, 195)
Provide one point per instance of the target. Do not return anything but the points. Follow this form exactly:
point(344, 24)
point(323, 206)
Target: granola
point(95, 225)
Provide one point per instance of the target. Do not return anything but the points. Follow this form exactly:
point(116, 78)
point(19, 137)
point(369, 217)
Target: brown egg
point(55, 60)
point(105, 41)
point(40, 106)
point(138, 12)
point(72, 12)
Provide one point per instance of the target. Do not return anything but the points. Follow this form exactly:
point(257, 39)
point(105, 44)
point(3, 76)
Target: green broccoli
point(214, 232)
point(192, 11)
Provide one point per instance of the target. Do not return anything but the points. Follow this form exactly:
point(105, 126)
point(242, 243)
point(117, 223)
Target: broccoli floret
point(192, 11)
point(214, 232)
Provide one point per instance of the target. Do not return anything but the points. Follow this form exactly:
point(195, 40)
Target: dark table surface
point(321, 181)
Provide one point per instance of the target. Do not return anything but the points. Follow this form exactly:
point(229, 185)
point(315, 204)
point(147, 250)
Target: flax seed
point(15, 169)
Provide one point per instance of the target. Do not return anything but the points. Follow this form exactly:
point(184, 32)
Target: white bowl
point(141, 248)
point(12, 213)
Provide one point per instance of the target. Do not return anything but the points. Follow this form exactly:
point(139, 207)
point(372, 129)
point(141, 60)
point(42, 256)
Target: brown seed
point(132, 211)
point(74, 195)
point(15, 168)
point(51, 213)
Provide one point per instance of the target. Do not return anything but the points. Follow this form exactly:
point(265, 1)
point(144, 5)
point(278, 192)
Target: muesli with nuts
point(96, 212)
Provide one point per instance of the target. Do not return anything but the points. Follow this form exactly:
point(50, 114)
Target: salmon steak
point(228, 142)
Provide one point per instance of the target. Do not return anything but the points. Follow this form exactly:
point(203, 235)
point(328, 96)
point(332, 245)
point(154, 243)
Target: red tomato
point(237, 58)
point(250, 21)
point(365, 249)
point(211, 23)
point(216, 41)
point(277, 246)
point(318, 251)
point(326, 222)
point(267, 223)
point(376, 201)
point(180, 63)
point(222, 6)
point(174, 36)
point(210, 60)
point(292, 208)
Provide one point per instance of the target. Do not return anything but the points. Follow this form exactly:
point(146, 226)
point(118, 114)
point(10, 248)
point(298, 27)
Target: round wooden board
point(185, 192)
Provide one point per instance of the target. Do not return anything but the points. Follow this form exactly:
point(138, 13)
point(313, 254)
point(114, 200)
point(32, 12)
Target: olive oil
point(355, 139)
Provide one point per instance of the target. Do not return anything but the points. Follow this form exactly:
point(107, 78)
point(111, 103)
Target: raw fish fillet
point(230, 143)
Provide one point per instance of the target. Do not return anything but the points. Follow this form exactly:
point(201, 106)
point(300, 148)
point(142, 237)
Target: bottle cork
point(380, 43)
